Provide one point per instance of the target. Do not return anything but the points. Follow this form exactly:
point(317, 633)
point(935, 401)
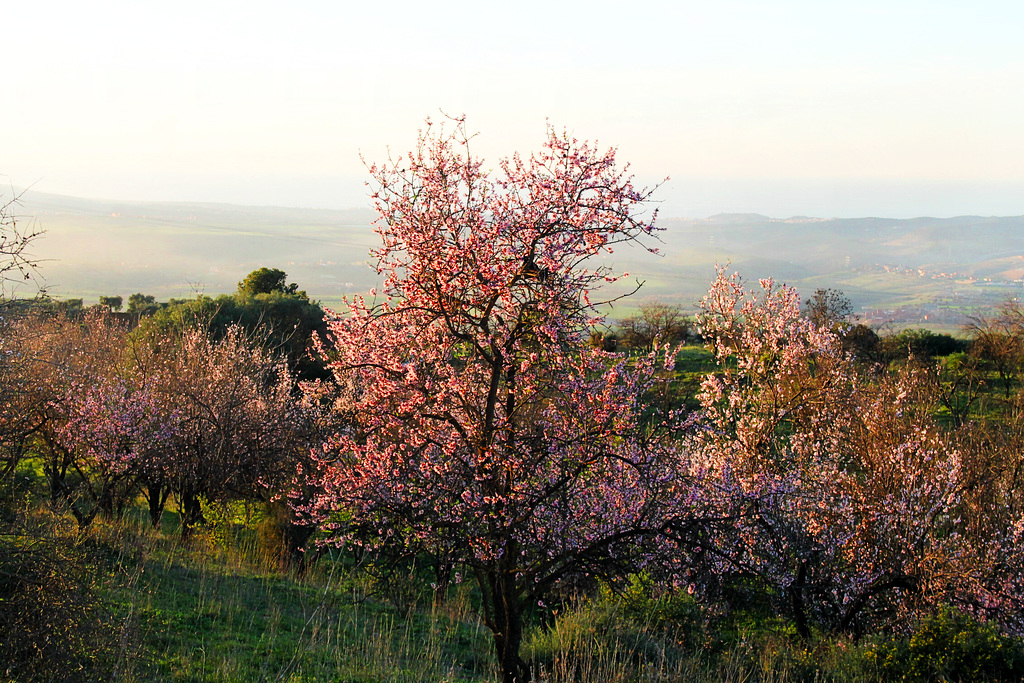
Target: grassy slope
point(214, 612)
point(218, 611)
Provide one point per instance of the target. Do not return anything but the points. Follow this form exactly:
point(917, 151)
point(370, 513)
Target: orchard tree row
point(198, 401)
point(464, 416)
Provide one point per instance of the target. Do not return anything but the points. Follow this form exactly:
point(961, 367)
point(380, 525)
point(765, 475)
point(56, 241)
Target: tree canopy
point(283, 320)
point(268, 281)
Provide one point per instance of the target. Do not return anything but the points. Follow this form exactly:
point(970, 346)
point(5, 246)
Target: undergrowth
point(124, 602)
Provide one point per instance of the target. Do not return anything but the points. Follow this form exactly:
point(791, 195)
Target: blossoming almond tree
point(858, 507)
point(113, 429)
point(236, 426)
point(487, 433)
point(58, 358)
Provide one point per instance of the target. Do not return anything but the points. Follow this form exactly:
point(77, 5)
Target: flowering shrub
point(949, 646)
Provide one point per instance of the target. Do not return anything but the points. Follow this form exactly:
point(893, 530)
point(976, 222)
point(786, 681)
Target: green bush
point(53, 623)
point(950, 646)
point(921, 344)
point(617, 634)
point(674, 612)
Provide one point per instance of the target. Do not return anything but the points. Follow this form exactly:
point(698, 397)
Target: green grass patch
point(207, 612)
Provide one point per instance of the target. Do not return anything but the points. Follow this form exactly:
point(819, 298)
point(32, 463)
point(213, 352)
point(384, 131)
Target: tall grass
point(220, 610)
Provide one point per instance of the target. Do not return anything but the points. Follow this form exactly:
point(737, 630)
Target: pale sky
point(896, 107)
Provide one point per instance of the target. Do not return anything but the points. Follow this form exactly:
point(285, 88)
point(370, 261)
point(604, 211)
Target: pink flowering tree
point(766, 473)
point(116, 432)
point(851, 506)
point(485, 432)
point(55, 360)
point(235, 429)
point(84, 410)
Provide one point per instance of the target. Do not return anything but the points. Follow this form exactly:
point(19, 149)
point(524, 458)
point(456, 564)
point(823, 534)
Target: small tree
point(999, 341)
point(60, 358)
point(828, 307)
point(113, 303)
point(233, 424)
point(654, 325)
point(268, 281)
point(140, 304)
point(489, 435)
point(864, 344)
point(26, 373)
point(114, 429)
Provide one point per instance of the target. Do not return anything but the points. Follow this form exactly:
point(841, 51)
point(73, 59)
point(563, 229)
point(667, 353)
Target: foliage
point(610, 638)
point(112, 303)
point(958, 382)
point(864, 344)
point(44, 305)
point(283, 323)
point(950, 646)
point(22, 401)
point(842, 505)
point(140, 304)
point(921, 344)
point(268, 281)
point(53, 625)
point(660, 608)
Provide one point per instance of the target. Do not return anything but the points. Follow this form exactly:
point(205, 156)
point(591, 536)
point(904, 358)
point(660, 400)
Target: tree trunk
point(442, 579)
point(156, 495)
point(106, 499)
point(796, 598)
point(191, 511)
point(294, 540)
point(506, 624)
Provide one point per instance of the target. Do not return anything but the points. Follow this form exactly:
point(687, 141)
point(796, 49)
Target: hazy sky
point(825, 108)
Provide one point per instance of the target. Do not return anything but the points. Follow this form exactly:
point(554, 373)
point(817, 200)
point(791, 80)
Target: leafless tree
point(999, 341)
point(656, 323)
point(828, 308)
point(17, 233)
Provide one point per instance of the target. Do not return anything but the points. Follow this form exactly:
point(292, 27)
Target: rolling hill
point(887, 266)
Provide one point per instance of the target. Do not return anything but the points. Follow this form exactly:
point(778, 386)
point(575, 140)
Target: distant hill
point(94, 248)
point(105, 247)
point(950, 266)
